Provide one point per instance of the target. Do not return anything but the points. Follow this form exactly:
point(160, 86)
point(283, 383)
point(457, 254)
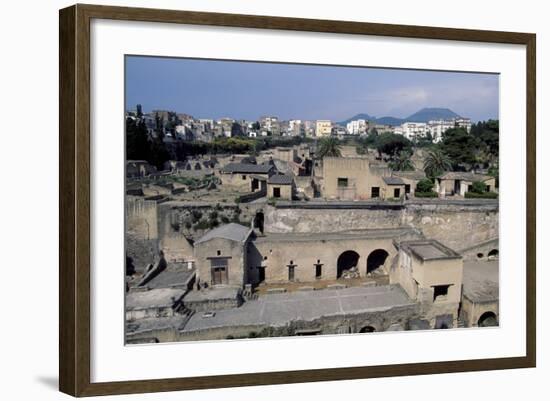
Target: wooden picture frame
point(75, 207)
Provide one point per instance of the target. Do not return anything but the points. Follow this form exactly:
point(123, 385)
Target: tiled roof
point(412, 175)
point(459, 175)
point(280, 179)
point(247, 168)
point(393, 180)
point(231, 231)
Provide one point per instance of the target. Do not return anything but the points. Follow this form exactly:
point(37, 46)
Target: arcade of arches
point(349, 260)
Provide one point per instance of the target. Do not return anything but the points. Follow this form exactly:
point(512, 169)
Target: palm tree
point(328, 147)
point(436, 162)
point(402, 162)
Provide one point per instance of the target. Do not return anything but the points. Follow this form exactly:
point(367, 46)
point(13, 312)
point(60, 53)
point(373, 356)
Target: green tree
point(436, 162)
point(425, 185)
point(391, 144)
point(460, 146)
point(137, 144)
point(329, 147)
point(478, 187)
point(402, 162)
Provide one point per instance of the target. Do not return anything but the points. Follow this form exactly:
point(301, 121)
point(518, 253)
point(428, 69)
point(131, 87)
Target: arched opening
point(376, 259)
point(347, 262)
point(259, 221)
point(488, 319)
point(367, 329)
point(493, 254)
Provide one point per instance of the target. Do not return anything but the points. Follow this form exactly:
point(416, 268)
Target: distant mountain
point(360, 116)
point(389, 121)
point(432, 113)
point(421, 116)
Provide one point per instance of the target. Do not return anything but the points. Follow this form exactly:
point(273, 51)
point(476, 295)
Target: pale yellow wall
point(236, 264)
point(473, 311)
point(286, 191)
point(418, 277)
point(361, 178)
point(285, 154)
point(323, 128)
point(235, 182)
point(305, 254)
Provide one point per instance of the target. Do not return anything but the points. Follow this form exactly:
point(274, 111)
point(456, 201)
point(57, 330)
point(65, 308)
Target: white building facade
point(357, 127)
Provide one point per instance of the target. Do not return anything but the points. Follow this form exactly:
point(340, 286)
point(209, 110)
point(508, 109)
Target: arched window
point(367, 329)
point(488, 319)
point(346, 261)
point(376, 259)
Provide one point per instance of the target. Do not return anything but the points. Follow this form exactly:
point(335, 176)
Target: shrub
point(201, 225)
point(196, 215)
point(428, 194)
point(484, 195)
point(478, 187)
point(225, 219)
point(425, 185)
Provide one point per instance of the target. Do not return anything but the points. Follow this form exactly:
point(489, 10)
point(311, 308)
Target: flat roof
point(480, 281)
point(171, 277)
point(212, 294)
point(428, 250)
point(159, 297)
point(279, 309)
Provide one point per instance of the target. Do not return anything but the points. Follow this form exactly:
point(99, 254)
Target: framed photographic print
point(250, 200)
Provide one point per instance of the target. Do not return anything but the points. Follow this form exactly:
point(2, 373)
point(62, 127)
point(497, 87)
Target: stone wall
point(141, 231)
point(458, 224)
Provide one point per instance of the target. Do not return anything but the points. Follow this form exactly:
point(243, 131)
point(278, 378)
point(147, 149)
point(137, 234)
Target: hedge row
point(430, 194)
point(483, 195)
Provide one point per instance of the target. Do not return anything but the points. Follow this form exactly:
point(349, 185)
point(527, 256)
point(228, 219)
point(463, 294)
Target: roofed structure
point(429, 250)
point(465, 176)
point(280, 179)
point(231, 231)
point(393, 181)
point(247, 168)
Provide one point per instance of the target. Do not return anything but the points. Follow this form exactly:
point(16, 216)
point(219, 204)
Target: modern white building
point(412, 130)
point(357, 127)
point(438, 127)
point(295, 128)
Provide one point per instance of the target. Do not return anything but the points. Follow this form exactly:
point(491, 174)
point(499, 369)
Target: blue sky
point(247, 90)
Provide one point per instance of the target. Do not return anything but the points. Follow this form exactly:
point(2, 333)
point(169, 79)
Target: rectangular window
point(407, 188)
point(276, 192)
point(375, 192)
point(342, 182)
point(441, 292)
point(396, 193)
point(291, 272)
point(318, 271)
point(244, 177)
